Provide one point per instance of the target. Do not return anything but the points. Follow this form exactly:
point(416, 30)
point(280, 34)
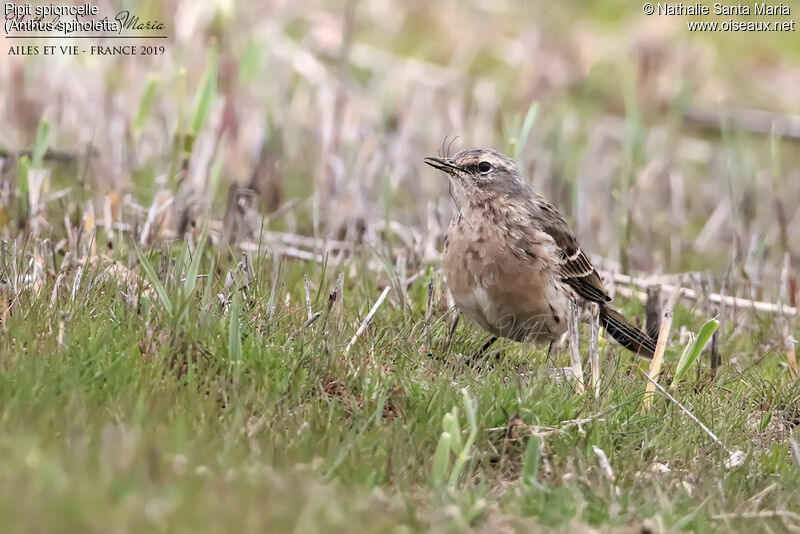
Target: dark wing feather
point(576, 268)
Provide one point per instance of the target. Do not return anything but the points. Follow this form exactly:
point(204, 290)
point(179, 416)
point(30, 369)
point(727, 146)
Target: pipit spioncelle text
point(511, 260)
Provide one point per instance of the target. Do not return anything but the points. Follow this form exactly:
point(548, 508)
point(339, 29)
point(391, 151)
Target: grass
point(147, 419)
point(152, 378)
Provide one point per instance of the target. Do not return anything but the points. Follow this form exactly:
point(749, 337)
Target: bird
point(512, 262)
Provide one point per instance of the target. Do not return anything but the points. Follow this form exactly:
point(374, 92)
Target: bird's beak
point(443, 164)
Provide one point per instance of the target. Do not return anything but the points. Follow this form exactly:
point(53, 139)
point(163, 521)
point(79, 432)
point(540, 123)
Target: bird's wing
point(575, 267)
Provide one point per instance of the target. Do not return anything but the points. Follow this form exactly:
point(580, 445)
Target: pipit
point(513, 263)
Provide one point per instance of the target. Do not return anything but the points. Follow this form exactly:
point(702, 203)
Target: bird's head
point(479, 172)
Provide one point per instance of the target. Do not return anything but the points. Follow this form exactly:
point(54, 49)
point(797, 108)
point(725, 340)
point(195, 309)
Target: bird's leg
point(553, 351)
point(487, 345)
point(478, 355)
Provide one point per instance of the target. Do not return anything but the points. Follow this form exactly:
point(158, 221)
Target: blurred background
point(670, 151)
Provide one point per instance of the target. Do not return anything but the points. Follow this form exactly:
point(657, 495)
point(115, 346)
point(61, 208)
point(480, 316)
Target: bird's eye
point(484, 166)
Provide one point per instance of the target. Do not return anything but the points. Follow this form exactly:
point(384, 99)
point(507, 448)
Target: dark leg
point(472, 360)
point(551, 352)
point(487, 345)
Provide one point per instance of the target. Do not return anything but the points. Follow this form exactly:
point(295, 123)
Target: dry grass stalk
point(594, 350)
point(54, 296)
point(605, 465)
point(636, 285)
point(273, 294)
point(748, 119)
point(653, 310)
point(309, 311)
point(762, 514)
point(311, 320)
point(661, 345)
point(37, 185)
point(240, 218)
point(715, 359)
point(302, 241)
point(402, 272)
point(658, 357)
point(542, 431)
point(332, 297)
point(38, 274)
point(76, 284)
point(575, 355)
point(71, 245)
point(108, 218)
point(713, 226)
point(791, 353)
point(90, 227)
point(787, 292)
point(685, 410)
point(160, 204)
point(338, 303)
point(786, 297)
point(545, 431)
point(426, 347)
point(5, 306)
point(61, 331)
point(795, 450)
point(368, 319)
point(285, 252)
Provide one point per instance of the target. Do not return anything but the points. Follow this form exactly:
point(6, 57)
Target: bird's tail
point(625, 333)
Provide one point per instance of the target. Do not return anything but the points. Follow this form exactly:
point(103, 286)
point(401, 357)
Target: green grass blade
point(23, 166)
point(145, 106)
point(250, 61)
point(234, 329)
point(208, 91)
point(524, 133)
point(179, 269)
point(190, 281)
point(470, 409)
point(689, 356)
point(530, 466)
point(205, 302)
point(42, 144)
point(441, 458)
point(152, 277)
point(685, 353)
point(216, 171)
point(450, 425)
